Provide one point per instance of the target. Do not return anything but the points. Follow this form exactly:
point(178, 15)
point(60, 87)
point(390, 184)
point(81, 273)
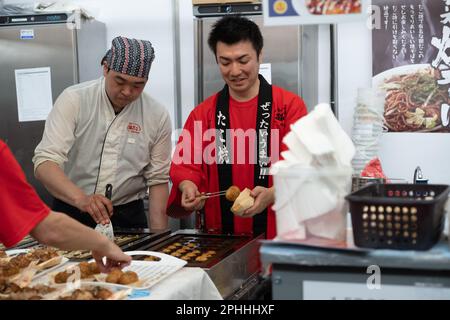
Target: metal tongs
point(107, 229)
point(207, 195)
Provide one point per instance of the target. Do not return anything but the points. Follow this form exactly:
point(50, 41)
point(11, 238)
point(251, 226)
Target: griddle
point(180, 245)
point(236, 258)
point(126, 239)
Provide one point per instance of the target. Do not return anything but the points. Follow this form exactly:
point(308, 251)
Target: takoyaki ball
point(181, 250)
point(93, 268)
point(167, 251)
point(211, 252)
point(103, 294)
point(44, 254)
point(81, 295)
point(196, 251)
point(20, 261)
point(61, 277)
point(85, 270)
point(201, 259)
point(9, 287)
point(177, 244)
point(191, 254)
point(3, 283)
point(176, 254)
point(152, 258)
point(128, 277)
point(192, 245)
point(172, 247)
point(114, 275)
point(185, 258)
point(84, 295)
point(9, 270)
point(232, 193)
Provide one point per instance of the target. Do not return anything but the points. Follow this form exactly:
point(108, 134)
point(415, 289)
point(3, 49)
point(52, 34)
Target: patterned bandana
point(130, 56)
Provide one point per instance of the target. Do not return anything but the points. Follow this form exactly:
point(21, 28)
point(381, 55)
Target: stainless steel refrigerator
point(291, 51)
point(71, 49)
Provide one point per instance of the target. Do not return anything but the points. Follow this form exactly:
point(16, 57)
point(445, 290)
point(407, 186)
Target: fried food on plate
point(20, 261)
point(152, 258)
point(61, 277)
point(93, 268)
point(114, 275)
point(128, 277)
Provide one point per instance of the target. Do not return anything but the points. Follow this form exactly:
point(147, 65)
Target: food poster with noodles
point(410, 63)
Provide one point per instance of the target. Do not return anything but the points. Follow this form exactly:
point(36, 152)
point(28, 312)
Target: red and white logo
point(134, 127)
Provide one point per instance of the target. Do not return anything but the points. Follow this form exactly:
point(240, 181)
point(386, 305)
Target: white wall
point(324, 65)
point(187, 57)
point(400, 153)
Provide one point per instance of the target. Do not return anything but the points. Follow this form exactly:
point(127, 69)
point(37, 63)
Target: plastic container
point(367, 126)
point(311, 202)
point(398, 216)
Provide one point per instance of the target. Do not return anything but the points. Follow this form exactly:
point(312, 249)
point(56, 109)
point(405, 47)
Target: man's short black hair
point(103, 61)
point(233, 29)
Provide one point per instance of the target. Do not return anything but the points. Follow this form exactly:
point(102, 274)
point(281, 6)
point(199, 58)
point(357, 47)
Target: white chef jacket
point(95, 147)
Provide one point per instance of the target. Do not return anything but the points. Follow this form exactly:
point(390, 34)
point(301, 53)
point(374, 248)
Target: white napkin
point(314, 177)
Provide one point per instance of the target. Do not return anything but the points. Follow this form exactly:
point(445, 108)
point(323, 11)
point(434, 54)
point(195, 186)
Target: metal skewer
point(208, 195)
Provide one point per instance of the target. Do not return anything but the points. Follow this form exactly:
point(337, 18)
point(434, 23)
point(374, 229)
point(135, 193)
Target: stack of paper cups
point(367, 126)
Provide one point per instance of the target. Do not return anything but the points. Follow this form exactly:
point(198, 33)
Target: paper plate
point(149, 272)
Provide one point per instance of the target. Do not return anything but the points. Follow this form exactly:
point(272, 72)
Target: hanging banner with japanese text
point(410, 62)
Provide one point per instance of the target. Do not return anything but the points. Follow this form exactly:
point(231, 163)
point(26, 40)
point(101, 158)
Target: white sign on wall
point(34, 94)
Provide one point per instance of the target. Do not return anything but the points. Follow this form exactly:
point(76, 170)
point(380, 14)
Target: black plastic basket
point(398, 216)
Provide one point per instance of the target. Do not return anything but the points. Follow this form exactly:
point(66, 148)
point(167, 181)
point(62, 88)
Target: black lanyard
point(225, 157)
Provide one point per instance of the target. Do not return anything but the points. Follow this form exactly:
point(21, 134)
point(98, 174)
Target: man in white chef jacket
point(108, 131)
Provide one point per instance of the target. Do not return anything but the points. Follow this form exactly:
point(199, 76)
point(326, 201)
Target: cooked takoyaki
point(102, 293)
point(20, 261)
point(85, 271)
point(152, 258)
point(93, 268)
point(232, 193)
point(9, 270)
point(114, 275)
point(61, 277)
point(128, 277)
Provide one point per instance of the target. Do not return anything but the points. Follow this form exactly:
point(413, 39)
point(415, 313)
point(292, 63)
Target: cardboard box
point(198, 2)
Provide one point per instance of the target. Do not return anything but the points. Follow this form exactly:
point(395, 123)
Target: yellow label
point(280, 6)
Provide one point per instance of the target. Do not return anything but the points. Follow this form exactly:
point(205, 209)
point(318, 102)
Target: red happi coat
point(21, 208)
point(194, 157)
